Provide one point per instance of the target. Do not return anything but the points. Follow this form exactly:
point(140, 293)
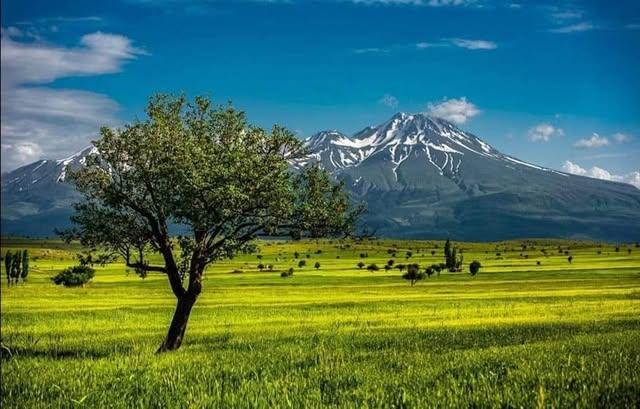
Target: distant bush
point(474, 267)
point(413, 274)
point(570, 259)
point(429, 271)
point(287, 273)
point(237, 271)
point(317, 265)
point(302, 263)
point(361, 264)
point(76, 276)
point(373, 267)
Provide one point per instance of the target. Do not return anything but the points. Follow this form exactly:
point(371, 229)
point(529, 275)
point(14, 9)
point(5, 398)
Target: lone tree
point(413, 274)
point(207, 170)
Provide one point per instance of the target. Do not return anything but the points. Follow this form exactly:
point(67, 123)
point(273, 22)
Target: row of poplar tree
point(16, 266)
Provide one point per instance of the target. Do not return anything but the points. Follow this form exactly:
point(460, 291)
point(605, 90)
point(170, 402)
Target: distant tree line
point(16, 266)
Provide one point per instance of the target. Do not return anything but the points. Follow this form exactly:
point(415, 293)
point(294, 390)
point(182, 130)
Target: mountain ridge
point(421, 176)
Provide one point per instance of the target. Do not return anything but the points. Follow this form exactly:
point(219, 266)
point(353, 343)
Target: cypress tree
point(16, 264)
point(8, 265)
point(25, 264)
point(447, 253)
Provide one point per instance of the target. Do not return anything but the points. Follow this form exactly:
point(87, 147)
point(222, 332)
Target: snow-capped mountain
point(404, 136)
point(420, 176)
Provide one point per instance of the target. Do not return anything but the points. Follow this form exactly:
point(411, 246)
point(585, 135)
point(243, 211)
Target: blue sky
point(548, 83)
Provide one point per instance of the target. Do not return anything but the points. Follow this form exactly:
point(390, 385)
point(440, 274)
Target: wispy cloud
point(424, 45)
point(632, 178)
point(39, 121)
point(544, 132)
point(622, 137)
point(429, 3)
point(574, 28)
point(454, 110)
point(389, 100)
point(371, 50)
point(40, 62)
point(474, 44)
point(596, 141)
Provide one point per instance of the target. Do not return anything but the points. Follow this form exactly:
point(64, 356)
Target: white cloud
point(574, 28)
point(389, 101)
point(622, 137)
point(38, 62)
point(40, 121)
point(596, 141)
point(544, 132)
point(48, 122)
point(454, 110)
point(474, 44)
point(632, 178)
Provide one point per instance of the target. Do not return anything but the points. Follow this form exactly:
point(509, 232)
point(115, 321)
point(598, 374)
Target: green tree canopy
point(205, 169)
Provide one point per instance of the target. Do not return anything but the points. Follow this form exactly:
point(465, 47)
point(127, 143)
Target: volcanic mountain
point(420, 177)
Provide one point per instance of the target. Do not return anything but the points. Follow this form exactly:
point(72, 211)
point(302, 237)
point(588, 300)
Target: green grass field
point(517, 335)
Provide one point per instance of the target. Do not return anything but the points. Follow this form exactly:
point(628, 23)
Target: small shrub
point(474, 267)
point(302, 263)
point(361, 264)
point(287, 273)
point(317, 265)
point(76, 276)
point(373, 267)
point(237, 271)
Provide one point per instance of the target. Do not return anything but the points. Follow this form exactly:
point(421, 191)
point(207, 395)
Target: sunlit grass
point(519, 334)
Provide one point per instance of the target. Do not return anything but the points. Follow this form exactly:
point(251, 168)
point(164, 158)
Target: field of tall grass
point(519, 334)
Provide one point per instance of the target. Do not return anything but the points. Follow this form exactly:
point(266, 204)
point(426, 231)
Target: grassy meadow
point(518, 334)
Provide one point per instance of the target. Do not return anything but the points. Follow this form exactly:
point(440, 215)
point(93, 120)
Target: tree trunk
point(178, 324)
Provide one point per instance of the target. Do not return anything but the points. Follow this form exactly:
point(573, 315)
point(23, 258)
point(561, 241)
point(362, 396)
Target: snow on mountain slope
point(441, 143)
